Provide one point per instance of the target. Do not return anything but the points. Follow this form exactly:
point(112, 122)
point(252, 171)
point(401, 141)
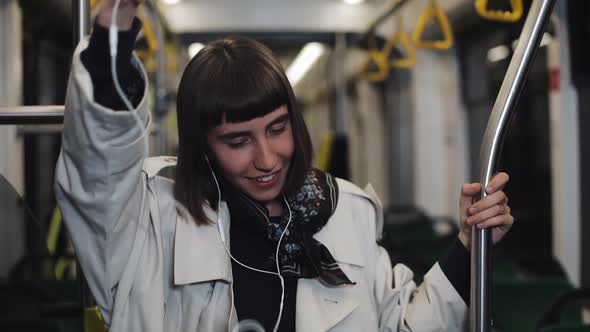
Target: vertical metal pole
point(81, 18)
point(504, 107)
point(341, 115)
point(161, 101)
point(81, 28)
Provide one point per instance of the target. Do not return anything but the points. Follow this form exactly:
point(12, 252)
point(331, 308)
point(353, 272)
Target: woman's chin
point(264, 196)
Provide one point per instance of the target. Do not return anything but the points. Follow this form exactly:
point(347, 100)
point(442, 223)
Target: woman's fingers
point(498, 182)
point(470, 189)
point(499, 220)
point(492, 211)
point(127, 10)
point(499, 197)
point(488, 214)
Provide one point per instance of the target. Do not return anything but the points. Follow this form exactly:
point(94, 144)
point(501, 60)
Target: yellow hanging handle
point(379, 59)
point(433, 12)
point(93, 321)
point(325, 152)
point(481, 7)
point(401, 39)
point(148, 56)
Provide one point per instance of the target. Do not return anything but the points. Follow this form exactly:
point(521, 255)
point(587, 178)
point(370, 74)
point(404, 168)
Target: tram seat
point(556, 317)
point(518, 304)
point(48, 305)
point(415, 239)
point(567, 328)
point(30, 326)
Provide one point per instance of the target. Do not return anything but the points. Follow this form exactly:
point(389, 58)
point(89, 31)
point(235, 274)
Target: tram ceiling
point(286, 25)
point(200, 16)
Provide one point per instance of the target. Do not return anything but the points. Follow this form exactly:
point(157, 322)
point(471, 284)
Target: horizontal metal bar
point(380, 19)
point(18, 115)
point(37, 129)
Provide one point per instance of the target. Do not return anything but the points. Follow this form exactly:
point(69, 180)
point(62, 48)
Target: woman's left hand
point(490, 211)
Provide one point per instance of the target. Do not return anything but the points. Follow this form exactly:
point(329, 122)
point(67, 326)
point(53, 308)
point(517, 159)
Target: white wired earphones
point(278, 273)
point(113, 42)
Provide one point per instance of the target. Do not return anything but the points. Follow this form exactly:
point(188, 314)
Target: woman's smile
point(267, 181)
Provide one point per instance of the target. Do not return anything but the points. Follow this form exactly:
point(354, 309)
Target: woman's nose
point(265, 159)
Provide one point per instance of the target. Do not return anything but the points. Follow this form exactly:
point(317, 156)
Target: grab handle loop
point(481, 7)
point(400, 38)
point(433, 12)
point(380, 69)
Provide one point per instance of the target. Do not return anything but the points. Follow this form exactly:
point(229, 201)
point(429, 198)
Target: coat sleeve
point(435, 305)
point(99, 185)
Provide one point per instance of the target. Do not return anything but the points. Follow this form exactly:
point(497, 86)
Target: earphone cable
point(113, 42)
point(278, 273)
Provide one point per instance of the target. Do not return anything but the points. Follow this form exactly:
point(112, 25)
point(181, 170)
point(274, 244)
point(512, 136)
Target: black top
point(256, 295)
point(97, 60)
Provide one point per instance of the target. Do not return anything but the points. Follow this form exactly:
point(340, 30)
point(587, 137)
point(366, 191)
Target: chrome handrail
point(31, 115)
point(505, 105)
point(17, 115)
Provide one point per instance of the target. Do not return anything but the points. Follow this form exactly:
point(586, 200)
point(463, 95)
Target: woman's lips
point(266, 181)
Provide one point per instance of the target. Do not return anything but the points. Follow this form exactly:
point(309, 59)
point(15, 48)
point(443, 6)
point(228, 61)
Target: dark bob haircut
point(233, 79)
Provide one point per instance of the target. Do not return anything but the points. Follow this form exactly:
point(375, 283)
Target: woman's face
point(255, 155)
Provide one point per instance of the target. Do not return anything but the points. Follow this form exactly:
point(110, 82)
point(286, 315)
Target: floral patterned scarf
point(300, 255)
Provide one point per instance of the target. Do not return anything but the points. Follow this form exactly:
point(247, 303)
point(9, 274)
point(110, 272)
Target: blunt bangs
point(242, 86)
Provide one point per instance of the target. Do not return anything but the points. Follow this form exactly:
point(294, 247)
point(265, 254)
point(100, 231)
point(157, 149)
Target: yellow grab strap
point(433, 12)
point(54, 230)
point(93, 321)
point(401, 39)
point(481, 7)
point(382, 67)
point(148, 56)
point(378, 59)
point(325, 152)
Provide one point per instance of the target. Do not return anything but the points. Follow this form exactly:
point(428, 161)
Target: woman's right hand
point(127, 10)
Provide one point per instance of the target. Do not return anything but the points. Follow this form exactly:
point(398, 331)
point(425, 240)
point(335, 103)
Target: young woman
point(202, 253)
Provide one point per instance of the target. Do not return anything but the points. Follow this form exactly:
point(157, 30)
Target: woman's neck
point(274, 207)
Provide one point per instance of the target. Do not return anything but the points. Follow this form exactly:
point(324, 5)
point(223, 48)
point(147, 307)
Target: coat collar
point(199, 253)
point(195, 244)
point(318, 307)
point(202, 243)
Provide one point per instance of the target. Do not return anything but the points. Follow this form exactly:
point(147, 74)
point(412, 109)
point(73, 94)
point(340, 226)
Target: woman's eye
point(277, 130)
point(235, 144)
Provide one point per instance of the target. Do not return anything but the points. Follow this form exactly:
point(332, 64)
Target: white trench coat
point(150, 269)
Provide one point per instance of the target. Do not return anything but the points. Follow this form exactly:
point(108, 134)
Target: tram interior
point(412, 129)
